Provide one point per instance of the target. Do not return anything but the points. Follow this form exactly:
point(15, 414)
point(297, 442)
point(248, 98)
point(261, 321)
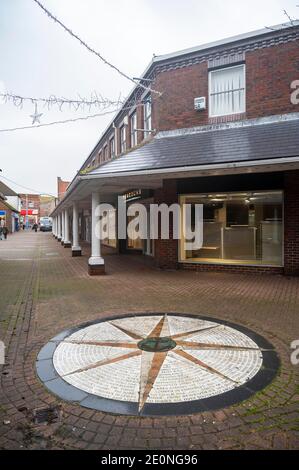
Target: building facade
point(30, 208)
point(47, 205)
point(61, 188)
point(218, 127)
point(10, 206)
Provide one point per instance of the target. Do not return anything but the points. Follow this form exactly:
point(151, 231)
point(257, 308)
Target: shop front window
point(238, 228)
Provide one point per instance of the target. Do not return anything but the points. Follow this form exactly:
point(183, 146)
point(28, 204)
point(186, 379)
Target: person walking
point(5, 232)
point(35, 227)
point(1, 232)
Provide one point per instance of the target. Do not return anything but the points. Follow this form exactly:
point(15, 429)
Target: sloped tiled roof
point(4, 189)
point(229, 145)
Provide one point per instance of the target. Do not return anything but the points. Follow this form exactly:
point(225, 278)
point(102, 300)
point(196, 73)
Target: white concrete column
point(53, 226)
point(76, 248)
point(67, 242)
point(96, 263)
point(59, 227)
point(56, 226)
point(62, 227)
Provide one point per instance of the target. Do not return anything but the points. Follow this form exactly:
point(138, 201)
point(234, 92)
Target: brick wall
point(231, 269)
point(140, 123)
point(291, 224)
point(166, 251)
point(61, 187)
point(269, 73)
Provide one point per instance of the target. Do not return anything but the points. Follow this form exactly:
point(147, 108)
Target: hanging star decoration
point(36, 116)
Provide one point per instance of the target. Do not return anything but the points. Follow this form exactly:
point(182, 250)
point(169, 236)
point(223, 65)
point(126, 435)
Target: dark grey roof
point(236, 144)
point(4, 189)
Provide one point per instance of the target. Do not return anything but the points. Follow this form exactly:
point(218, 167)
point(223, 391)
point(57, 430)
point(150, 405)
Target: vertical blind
point(227, 91)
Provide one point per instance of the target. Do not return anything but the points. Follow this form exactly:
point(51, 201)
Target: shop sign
point(137, 194)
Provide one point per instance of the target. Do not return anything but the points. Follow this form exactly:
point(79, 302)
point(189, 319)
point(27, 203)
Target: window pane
point(134, 130)
point(123, 139)
point(227, 91)
point(147, 116)
point(112, 148)
point(240, 228)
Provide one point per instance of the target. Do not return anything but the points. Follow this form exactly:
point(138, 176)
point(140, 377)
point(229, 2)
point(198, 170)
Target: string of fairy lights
point(95, 101)
point(64, 121)
point(90, 49)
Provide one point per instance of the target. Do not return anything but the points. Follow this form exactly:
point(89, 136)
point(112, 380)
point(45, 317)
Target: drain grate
point(46, 415)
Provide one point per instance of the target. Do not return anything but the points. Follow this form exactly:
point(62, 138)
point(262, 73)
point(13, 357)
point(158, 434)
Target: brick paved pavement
point(43, 291)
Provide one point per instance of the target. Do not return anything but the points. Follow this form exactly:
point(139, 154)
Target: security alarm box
point(200, 103)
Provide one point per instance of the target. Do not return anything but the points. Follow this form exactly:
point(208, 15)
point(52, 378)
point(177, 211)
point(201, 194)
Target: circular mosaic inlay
point(157, 364)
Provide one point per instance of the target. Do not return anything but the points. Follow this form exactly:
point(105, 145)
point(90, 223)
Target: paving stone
point(48, 297)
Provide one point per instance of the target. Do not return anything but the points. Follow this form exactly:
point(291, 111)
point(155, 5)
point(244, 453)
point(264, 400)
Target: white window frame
point(112, 153)
point(123, 139)
point(105, 153)
point(147, 118)
point(210, 88)
point(133, 127)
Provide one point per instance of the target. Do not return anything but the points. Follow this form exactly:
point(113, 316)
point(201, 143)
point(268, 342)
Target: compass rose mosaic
point(158, 364)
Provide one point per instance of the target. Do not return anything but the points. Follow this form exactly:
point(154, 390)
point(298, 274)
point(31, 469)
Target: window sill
point(227, 118)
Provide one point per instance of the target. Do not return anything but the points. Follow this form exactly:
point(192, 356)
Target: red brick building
point(222, 132)
point(61, 187)
point(30, 207)
point(47, 205)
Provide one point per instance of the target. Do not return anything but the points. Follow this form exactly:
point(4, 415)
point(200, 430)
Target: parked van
point(45, 224)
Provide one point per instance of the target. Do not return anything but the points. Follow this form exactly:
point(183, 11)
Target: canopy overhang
point(114, 184)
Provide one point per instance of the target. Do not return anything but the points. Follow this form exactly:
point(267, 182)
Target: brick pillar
point(291, 223)
point(140, 123)
point(166, 251)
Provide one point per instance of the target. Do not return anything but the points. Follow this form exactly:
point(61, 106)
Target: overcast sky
point(37, 58)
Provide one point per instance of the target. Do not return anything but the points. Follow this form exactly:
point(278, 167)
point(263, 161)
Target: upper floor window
point(147, 116)
point(123, 141)
point(112, 147)
point(133, 123)
point(105, 153)
point(227, 91)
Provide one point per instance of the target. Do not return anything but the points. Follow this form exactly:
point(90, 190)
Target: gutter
point(187, 169)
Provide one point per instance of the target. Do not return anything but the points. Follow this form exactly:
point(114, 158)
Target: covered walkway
point(44, 291)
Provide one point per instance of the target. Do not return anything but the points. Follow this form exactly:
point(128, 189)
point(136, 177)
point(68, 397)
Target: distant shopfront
point(8, 217)
point(31, 215)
